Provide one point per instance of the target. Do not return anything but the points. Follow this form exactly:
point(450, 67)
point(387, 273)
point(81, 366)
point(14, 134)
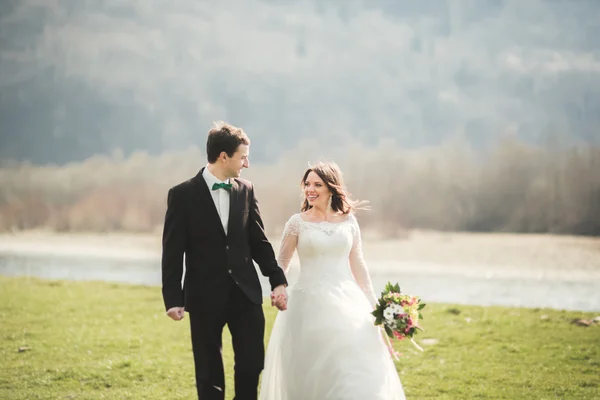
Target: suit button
point(229, 271)
point(227, 247)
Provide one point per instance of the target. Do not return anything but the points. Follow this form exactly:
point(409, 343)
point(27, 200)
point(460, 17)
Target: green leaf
point(388, 288)
point(378, 313)
point(421, 306)
point(421, 316)
point(388, 330)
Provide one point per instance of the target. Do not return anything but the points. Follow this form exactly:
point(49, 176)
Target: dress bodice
point(328, 252)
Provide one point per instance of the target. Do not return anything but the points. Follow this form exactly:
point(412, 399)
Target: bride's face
point(316, 191)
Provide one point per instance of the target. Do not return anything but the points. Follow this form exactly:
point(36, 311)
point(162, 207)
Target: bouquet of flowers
point(398, 313)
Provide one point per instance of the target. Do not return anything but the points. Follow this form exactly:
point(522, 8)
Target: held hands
point(279, 298)
point(176, 313)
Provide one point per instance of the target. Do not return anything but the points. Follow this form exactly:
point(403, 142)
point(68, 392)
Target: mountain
point(79, 78)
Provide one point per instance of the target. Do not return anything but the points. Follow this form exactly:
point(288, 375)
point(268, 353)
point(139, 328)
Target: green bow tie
point(226, 186)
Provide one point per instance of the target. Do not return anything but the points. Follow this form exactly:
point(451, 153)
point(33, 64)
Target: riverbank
point(93, 340)
point(570, 258)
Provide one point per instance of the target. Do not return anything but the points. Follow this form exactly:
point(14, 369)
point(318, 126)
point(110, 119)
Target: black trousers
point(246, 322)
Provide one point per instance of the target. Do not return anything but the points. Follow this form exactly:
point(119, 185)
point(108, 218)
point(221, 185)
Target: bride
point(325, 346)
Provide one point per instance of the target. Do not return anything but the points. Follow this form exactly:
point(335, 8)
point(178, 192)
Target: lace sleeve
point(289, 241)
point(358, 266)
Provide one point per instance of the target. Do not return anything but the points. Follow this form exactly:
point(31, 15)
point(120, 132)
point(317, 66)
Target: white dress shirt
point(219, 196)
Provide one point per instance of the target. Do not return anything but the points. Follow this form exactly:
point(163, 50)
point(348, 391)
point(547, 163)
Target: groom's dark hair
point(224, 137)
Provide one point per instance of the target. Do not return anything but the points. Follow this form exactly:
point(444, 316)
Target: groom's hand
point(176, 313)
point(279, 298)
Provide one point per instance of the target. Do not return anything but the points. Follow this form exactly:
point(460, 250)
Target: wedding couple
point(323, 344)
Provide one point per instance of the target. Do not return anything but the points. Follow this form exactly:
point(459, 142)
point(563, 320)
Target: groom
point(214, 220)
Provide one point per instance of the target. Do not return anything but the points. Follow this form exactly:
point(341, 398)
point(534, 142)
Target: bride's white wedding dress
point(325, 345)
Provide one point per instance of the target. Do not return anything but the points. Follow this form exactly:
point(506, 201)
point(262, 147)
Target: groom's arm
point(261, 249)
point(173, 247)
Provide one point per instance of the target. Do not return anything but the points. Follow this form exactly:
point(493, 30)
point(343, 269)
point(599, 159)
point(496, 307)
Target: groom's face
point(234, 165)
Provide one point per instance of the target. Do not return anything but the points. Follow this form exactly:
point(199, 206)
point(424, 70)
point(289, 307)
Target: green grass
point(106, 341)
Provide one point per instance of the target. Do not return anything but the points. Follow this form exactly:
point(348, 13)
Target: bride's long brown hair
point(332, 176)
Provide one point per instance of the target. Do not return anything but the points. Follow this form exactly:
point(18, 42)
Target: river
point(432, 285)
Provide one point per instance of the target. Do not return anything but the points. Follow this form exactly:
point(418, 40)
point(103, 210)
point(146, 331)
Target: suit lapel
point(209, 202)
point(234, 208)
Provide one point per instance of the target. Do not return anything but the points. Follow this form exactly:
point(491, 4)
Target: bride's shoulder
point(295, 217)
point(294, 221)
point(351, 219)
point(353, 222)
point(293, 226)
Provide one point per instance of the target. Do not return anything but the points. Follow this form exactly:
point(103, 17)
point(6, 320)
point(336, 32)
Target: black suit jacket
point(212, 259)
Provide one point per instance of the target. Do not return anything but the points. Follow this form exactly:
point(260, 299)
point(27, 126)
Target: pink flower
point(400, 316)
point(398, 336)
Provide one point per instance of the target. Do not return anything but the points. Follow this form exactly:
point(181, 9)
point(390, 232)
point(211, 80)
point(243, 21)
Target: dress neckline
point(324, 221)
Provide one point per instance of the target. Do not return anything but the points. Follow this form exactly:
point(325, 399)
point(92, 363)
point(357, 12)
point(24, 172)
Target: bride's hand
point(279, 298)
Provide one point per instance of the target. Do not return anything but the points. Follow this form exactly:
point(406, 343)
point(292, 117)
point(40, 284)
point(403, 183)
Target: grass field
point(91, 340)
